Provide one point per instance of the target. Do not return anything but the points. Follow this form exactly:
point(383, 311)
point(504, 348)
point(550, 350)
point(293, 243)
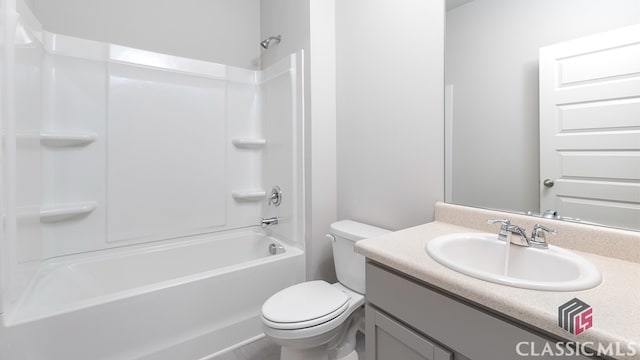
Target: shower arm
point(266, 43)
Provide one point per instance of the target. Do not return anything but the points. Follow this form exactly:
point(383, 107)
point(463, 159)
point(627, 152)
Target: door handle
point(548, 183)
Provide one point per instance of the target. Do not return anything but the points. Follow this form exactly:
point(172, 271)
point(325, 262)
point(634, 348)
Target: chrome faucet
point(537, 236)
point(522, 239)
point(537, 239)
point(268, 221)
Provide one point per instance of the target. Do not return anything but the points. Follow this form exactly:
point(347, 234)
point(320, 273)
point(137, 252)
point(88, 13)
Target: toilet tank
point(349, 265)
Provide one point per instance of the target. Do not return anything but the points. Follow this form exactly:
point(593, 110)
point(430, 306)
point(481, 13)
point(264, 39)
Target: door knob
point(548, 183)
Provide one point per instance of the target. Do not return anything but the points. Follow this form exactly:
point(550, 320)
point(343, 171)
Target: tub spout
point(269, 221)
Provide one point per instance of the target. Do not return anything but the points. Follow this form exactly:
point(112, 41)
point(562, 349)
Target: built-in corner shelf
point(248, 143)
point(62, 212)
point(249, 195)
point(63, 139)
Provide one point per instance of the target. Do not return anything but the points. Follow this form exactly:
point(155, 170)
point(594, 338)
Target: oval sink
point(483, 256)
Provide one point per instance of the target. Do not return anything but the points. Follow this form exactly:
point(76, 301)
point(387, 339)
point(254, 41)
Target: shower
point(68, 187)
point(266, 43)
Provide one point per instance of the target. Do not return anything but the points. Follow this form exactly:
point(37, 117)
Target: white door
point(590, 128)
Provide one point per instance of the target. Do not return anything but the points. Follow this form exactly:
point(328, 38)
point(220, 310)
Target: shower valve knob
point(276, 196)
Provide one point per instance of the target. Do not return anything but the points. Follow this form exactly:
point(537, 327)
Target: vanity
point(417, 308)
point(524, 135)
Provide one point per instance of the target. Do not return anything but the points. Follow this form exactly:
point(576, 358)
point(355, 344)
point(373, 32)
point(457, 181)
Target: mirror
point(492, 106)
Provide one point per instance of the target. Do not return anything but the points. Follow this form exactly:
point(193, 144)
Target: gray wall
point(321, 142)
point(492, 61)
point(220, 31)
point(289, 18)
point(390, 110)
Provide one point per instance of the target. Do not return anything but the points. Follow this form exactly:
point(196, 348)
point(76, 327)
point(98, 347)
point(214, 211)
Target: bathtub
point(176, 300)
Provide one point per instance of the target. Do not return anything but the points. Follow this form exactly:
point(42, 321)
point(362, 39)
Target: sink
point(483, 256)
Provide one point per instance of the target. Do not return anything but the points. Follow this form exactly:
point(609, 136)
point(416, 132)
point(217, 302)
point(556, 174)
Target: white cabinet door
point(590, 128)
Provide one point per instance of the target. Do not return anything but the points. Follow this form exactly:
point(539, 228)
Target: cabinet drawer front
point(464, 329)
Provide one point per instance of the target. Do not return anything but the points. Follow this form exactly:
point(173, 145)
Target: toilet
point(316, 320)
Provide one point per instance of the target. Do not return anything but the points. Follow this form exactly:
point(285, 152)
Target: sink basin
point(483, 256)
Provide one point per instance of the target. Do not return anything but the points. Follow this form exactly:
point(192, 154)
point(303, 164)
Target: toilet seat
point(304, 305)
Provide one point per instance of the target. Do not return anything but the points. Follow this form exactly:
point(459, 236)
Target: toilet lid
point(304, 305)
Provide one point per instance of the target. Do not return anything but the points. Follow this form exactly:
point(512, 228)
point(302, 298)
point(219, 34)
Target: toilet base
point(351, 356)
point(342, 345)
point(317, 353)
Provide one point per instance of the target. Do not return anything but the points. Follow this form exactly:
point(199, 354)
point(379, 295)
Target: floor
point(264, 349)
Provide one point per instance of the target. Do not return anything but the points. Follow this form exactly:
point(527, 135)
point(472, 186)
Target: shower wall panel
point(75, 105)
point(28, 155)
point(284, 151)
point(166, 163)
point(21, 159)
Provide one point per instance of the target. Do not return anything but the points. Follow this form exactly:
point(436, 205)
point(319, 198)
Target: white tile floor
point(264, 349)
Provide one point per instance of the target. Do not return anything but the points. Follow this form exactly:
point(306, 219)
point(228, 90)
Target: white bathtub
point(179, 300)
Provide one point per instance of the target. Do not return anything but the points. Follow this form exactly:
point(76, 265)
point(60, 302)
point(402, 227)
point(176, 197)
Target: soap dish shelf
point(64, 139)
point(62, 212)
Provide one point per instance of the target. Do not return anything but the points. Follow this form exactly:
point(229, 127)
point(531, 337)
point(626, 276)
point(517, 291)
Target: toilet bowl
point(316, 320)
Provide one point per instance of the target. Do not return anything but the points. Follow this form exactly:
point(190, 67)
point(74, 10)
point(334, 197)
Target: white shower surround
point(164, 162)
point(75, 183)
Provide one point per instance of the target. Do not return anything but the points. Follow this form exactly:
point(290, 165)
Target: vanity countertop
point(615, 302)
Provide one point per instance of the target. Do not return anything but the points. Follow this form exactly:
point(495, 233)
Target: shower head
point(275, 40)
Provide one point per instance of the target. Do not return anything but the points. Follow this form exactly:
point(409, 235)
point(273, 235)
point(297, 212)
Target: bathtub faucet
point(268, 221)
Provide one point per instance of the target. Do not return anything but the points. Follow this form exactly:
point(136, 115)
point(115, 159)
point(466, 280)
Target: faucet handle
point(538, 236)
point(504, 234)
point(504, 222)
